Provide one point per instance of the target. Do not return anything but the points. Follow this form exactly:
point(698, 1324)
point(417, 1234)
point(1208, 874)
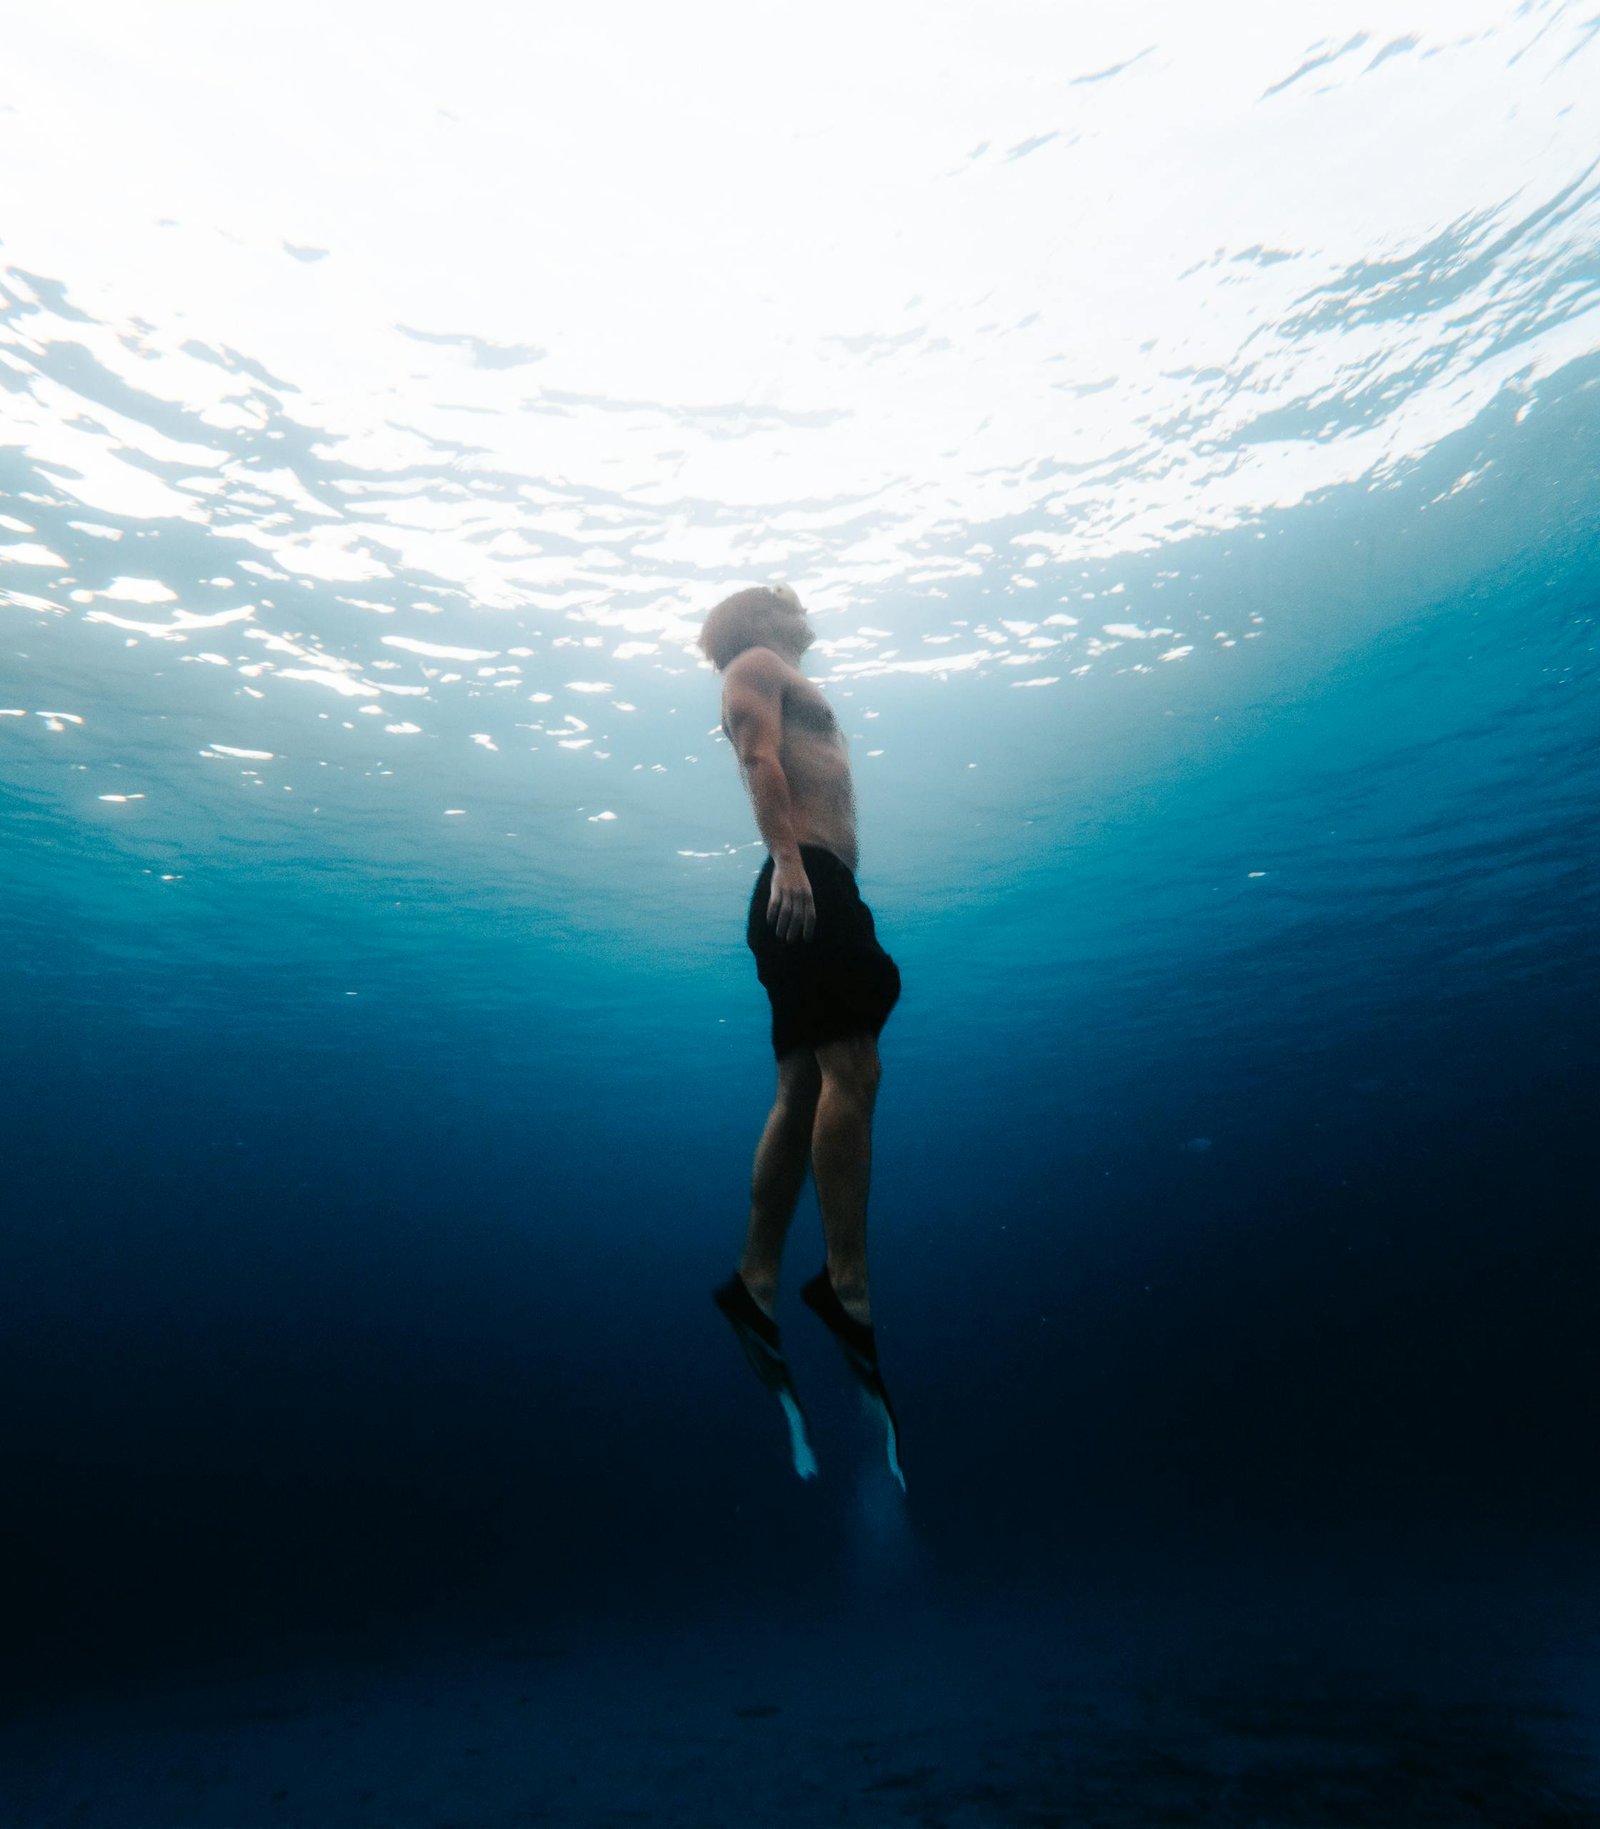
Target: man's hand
point(792, 909)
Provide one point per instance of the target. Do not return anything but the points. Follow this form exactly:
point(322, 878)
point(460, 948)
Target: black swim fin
point(859, 1345)
point(758, 1334)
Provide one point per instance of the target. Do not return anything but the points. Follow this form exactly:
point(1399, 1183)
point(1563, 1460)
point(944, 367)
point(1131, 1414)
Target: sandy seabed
point(1241, 1702)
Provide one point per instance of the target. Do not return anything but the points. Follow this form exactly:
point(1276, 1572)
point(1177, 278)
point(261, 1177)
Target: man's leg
point(779, 1173)
point(841, 1159)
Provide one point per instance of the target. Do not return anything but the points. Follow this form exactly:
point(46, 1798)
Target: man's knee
point(851, 1069)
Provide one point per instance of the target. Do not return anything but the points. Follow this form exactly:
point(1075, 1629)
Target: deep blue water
point(1221, 1217)
point(367, 1169)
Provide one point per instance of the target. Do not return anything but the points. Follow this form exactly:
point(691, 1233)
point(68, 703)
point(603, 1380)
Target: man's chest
point(808, 717)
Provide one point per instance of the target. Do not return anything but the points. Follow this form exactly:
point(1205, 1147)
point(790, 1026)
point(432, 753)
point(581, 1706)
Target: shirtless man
point(831, 988)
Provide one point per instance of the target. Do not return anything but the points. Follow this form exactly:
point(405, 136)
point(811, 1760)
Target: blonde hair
point(765, 616)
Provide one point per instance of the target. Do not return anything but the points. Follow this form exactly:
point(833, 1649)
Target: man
point(831, 988)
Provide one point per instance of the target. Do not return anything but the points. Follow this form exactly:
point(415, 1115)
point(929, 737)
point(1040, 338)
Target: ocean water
point(1186, 434)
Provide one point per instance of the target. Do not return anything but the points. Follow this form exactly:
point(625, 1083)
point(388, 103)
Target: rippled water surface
point(385, 405)
point(1184, 426)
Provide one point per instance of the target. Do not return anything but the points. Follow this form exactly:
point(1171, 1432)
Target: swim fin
point(859, 1345)
point(758, 1334)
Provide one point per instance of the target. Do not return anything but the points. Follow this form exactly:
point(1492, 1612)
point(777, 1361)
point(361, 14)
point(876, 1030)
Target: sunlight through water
point(387, 398)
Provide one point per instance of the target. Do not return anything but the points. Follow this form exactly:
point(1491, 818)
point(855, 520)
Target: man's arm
point(752, 709)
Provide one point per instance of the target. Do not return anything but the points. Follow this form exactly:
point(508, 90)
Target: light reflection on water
point(370, 463)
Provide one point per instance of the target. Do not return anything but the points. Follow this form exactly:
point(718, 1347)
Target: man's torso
point(816, 764)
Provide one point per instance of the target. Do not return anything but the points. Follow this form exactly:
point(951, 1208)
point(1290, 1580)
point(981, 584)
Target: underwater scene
point(1165, 445)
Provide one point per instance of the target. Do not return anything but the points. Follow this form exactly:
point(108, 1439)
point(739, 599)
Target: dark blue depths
point(1234, 1227)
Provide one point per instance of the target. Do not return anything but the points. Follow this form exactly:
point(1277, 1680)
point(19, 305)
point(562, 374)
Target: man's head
point(767, 616)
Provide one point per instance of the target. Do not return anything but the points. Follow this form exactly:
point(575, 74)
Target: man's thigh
point(852, 1062)
point(799, 1077)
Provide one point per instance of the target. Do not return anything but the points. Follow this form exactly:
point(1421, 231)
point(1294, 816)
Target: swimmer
point(831, 987)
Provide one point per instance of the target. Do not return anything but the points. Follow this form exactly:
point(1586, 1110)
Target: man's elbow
point(760, 759)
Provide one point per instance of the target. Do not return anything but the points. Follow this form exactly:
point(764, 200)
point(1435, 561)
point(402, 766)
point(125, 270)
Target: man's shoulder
point(758, 668)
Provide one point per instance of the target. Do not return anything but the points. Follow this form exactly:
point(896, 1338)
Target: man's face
point(791, 649)
point(791, 641)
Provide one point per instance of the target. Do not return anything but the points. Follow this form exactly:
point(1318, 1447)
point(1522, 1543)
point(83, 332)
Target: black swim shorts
point(838, 983)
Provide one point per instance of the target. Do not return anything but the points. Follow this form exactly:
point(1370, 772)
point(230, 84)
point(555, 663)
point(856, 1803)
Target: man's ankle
point(850, 1286)
point(763, 1289)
